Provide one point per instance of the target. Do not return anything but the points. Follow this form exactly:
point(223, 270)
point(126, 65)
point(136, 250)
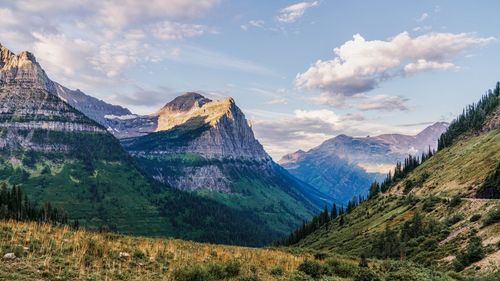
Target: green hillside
point(441, 213)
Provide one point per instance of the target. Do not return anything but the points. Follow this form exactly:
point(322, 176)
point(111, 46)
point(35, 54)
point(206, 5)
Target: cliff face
point(215, 133)
point(27, 106)
point(23, 71)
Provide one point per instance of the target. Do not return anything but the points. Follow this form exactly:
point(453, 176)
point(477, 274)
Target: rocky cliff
point(27, 107)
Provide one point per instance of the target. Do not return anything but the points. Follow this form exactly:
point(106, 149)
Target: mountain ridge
point(344, 166)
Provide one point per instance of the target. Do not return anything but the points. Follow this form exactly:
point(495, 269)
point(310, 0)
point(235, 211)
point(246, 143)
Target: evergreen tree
point(333, 215)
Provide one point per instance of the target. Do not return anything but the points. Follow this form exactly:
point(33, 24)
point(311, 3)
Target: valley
point(249, 140)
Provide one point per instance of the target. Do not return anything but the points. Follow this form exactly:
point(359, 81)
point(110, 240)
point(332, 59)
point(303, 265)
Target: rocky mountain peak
point(23, 70)
point(438, 127)
point(191, 106)
point(292, 157)
point(186, 102)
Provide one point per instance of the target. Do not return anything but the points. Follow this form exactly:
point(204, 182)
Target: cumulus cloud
point(293, 12)
point(360, 65)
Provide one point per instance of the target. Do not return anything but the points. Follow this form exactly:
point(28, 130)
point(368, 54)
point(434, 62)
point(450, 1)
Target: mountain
point(57, 154)
point(208, 147)
point(443, 212)
point(344, 166)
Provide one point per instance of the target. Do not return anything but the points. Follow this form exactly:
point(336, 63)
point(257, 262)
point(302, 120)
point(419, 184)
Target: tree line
point(320, 220)
point(14, 204)
point(472, 117)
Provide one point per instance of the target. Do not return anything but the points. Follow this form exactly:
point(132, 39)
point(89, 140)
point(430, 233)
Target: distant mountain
point(345, 166)
point(57, 154)
point(208, 147)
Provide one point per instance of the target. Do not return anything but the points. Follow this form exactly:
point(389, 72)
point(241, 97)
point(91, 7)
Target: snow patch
point(121, 117)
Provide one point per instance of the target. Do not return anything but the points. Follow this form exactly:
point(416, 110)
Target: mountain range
point(344, 166)
point(193, 169)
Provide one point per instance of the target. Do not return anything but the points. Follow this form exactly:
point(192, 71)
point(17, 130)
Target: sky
point(301, 71)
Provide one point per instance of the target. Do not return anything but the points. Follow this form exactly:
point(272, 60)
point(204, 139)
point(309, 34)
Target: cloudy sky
point(301, 71)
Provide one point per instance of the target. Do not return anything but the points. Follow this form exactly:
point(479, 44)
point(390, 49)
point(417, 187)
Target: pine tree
point(333, 215)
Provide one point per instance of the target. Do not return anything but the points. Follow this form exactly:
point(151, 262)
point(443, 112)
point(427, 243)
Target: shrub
point(475, 218)
point(453, 219)
point(311, 268)
point(492, 217)
point(191, 273)
point(276, 271)
point(366, 274)
point(334, 266)
point(249, 278)
point(455, 201)
point(473, 252)
point(232, 269)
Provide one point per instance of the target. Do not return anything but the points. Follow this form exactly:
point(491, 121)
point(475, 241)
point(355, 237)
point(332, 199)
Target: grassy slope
point(45, 252)
point(57, 253)
point(459, 168)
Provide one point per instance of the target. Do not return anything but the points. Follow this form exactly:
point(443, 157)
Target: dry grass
point(59, 253)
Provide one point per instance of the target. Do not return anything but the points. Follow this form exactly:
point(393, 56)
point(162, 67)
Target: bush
point(232, 269)
point(212, 271)
point(455, 201)
point(191, 273)
point(492, 217)
point(473, 252)
point(366, 274)
point(249, 278)
point(475, 218)
point(453, 219)
point(311, 268)
point(276, 271)
point(345, 270)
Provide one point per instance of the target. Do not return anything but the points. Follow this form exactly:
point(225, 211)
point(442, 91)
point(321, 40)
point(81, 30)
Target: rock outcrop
point(28, 105)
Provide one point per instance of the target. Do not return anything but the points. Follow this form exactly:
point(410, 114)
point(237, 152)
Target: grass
point(59, 253)
point(46, 252)
point(459, 169)
point(371, 217)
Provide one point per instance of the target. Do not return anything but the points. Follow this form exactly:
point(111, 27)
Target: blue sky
point(398, 65)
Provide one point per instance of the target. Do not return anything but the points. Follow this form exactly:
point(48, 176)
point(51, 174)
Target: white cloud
point(293, 12)
point(93, 43)
point(305, 129)
point(379, 102)
point(422, 65)
point(360, 65)
point(423, 17)
point(168, 30)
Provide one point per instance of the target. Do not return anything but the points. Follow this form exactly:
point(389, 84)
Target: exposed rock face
point(212, 129)
point(93, 108)
point(24, 69)
point(344, 166)
point(27, 105)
